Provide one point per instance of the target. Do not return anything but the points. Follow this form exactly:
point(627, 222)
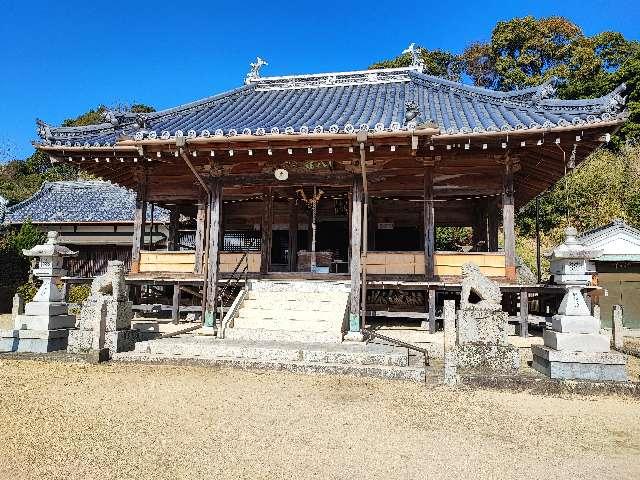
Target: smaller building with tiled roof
point(617, 268)
point(93, 217)
point(82, 202)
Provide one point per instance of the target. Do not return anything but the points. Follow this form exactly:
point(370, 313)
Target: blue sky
point(61, 58)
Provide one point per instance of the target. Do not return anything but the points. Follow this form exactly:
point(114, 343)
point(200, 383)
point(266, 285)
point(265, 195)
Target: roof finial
point(254, 72)
point(416, 59)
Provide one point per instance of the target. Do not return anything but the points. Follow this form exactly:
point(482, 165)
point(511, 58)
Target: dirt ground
point(117, 421)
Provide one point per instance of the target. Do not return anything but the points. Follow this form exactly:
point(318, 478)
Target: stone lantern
point(44, 325)
point(574, 348)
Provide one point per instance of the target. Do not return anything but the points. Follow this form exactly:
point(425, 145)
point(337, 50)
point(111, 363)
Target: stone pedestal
point(575, 348)
point(482, 342)
point(105, 317)
point(43, 327)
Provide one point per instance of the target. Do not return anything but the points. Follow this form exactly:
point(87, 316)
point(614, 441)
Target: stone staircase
point(361, 359)
point(289, 311)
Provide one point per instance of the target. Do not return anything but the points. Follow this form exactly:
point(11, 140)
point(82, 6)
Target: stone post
point(18, 306)
point(450, 361)
point(618, 328)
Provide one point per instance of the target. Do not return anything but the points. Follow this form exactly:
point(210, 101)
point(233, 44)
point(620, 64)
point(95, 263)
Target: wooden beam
point(175, 305)
point(215, 214)
point(139, 220)
point(493, 226)
point(174, 217)
point(293, 236)
point(429, 224)
point(508, 222)
point(356, 245)
point(266, 231)
point(200, 236)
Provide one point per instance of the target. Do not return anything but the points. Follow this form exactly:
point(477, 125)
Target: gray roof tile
point(80, 201)
point(376, 97)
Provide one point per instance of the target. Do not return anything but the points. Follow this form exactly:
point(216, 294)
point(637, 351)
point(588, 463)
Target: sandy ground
point(117, 421)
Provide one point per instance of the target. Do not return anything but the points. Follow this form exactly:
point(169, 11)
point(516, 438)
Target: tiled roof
point(377, 100)
point(80, 201)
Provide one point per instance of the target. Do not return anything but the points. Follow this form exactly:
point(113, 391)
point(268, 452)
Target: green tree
point(436, 62)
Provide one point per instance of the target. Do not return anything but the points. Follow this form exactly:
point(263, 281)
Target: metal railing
point(233, 281)
point(372, 334)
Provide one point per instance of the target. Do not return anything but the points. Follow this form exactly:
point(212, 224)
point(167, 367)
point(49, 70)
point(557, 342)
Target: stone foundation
point(34, 341)
point(80, 341)
point(495, 358)
point(567, 365)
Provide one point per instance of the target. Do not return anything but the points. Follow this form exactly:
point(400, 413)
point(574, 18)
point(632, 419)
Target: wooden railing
point(492, 264)
point(184, 261)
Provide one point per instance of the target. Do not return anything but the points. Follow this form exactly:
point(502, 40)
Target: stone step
point(297, 303)
point(264, 335)
point(291, 324)
point(274, 351)
point(393, 372)
point(309, 286)
point(295, 315)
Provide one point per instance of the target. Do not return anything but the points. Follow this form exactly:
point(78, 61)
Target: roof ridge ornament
point(416, 59)
point(44, 130)
point(254, 71)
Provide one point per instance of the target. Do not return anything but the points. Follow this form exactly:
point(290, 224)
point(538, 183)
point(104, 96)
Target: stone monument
point(575, 348)
point(482, 326)
point(105, 317)
point(43, 327)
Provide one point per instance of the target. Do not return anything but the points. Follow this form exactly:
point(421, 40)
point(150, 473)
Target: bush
point(78, 293)
point(27, 291)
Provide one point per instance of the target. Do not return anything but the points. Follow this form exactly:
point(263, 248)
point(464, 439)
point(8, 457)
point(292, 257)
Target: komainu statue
point(473, 281)
point(482, 326)
point(111, 283)
point(105, 317)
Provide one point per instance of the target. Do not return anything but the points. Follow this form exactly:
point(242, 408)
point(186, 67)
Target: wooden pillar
point(429, 224)
point(139, 220)
point(479, 235)
point(508, 222)
point(200, 236)
point(266, 231)
point(356, 246)
point(213, 237)
point(175, 305)
point(524, 313)
point(492, 226)
point(174, 217)
point(293, 236)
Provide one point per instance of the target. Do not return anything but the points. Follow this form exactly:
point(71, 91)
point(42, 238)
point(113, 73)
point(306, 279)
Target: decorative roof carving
point(254, 71)
point(416, 58)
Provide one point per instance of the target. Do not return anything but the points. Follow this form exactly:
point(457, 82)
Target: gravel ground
point(117, 421)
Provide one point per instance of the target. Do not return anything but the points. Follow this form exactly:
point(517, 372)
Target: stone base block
point(482, 326)
point(575, 324)
point(46, 308)
point(353, 337)
point(44, 322)
point(494, 358)
point(606, 366)
point(33, 341)
point(80, 341)
point(117, 315)
point(576, 342)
